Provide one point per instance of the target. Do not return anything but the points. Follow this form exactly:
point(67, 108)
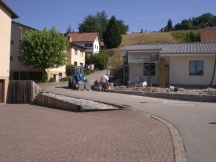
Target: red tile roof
point(208, 34)
point(83, 37)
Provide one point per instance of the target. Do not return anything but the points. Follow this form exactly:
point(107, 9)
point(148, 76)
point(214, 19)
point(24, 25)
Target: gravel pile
point(86, 104)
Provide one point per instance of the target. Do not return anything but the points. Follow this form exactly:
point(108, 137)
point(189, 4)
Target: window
point(81, 64)
point(12, 42)
point(75, 51)
point(75, 63)
point(81, 53)
point(88, 45)
point(149, 69)
point(11, 58)
point(196, 67)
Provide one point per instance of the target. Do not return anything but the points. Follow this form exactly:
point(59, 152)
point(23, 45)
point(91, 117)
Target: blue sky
point(150, 15)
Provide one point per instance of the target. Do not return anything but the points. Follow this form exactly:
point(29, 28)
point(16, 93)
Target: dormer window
point(88, 44)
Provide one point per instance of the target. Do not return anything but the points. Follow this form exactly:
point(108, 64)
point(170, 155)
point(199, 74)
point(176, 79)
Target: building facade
point(6, 15)
point(90, 41)
point(76, 55)
point(186, 64)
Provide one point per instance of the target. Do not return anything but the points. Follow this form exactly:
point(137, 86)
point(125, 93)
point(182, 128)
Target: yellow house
point(6, 15)
point(76, 54)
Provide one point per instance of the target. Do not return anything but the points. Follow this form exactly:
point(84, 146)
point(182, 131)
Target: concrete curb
point(179, 150)
point(184, 97)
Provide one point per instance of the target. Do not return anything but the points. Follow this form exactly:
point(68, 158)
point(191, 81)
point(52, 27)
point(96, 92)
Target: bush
point(87, 72)
point(192, 36)
point(96, 69)
point(64, 79)
point(52, 80)
point(69, 69)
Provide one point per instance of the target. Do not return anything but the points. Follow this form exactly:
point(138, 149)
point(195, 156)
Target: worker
point(104, 81)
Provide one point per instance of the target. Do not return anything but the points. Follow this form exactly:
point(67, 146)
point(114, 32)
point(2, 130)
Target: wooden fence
point(23, 91)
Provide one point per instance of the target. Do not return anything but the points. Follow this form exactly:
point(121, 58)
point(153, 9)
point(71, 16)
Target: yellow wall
point(179, 70)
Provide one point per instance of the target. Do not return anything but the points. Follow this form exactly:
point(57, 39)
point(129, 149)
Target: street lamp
point(19, 51)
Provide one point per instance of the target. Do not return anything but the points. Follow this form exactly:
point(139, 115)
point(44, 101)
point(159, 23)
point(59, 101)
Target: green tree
point(205, 20)
point(69, 69)
point(112, 35)
point(69, 29)
point(122, 27)
point(100, 60)
point(94, 23)
point(98, 23)
point(43, 49)
point(186, 25)
point(169, 25)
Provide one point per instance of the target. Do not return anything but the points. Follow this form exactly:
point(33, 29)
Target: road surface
point(195, 121)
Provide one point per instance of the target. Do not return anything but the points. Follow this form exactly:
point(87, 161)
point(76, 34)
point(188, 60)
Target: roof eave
point(14, 15)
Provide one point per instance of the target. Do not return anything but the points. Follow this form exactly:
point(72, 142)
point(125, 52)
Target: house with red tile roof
point(208, 34)
point(90, 41)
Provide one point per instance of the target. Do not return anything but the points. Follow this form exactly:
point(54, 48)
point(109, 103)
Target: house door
point(1, 91)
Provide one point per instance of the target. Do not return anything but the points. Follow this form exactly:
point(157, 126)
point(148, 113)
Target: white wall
point(95, 46)
point(179, 70)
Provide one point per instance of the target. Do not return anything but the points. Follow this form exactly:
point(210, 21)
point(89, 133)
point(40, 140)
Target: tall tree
point(69, 29)
point(98, 23)
point(44, 49)
point(169, 25)
point(122, 27)
point(186, 25)
point(112, 35)
point(94, 23)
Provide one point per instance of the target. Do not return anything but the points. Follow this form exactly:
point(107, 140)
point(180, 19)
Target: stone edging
point(184, 97)
point(179, 150)
point(51, 102)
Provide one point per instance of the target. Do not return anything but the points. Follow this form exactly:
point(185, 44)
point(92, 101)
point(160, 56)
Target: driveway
point(195, 121)
point(31, 133)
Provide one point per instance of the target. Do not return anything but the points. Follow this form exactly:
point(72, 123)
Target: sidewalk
point(34, 133)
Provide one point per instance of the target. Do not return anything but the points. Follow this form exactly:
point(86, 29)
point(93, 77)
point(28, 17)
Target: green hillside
point(160, 37)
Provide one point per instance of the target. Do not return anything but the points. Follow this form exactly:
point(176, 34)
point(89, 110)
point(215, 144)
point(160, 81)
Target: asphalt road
point(195, 121)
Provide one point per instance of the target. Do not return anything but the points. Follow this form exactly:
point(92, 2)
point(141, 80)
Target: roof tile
point(175, 48)
point(83, 37)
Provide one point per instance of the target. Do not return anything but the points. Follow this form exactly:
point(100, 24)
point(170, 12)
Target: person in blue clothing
point(79, 77)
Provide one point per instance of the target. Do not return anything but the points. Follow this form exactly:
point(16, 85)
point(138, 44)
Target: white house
point(90, 41)
point(6, 15)
point(184, 64)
